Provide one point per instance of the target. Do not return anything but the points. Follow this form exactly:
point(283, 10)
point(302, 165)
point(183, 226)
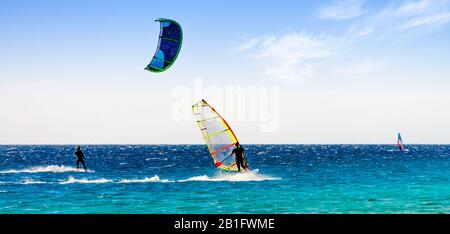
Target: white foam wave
point(223, 177)
point(162, 159)
point(73, 180)
point(146, 180)
point(236, 177)
point(41, 169)
point(30, 181)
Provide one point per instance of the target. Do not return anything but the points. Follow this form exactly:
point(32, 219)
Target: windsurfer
point(239, 152)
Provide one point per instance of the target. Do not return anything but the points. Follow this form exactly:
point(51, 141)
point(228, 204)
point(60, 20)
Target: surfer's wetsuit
point(239, 152)
point(80, 159)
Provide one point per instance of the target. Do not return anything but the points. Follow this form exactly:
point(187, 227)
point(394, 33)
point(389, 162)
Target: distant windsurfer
point(240, 160)
point(400, 144)
point(80, 158)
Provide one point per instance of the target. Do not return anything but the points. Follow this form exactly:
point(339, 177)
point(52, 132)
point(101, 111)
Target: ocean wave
point(237, 177)
point(41, 169)
point(146, 180)
point(223, 177)
point(162, 159)
point(26, 181)
point(30, 181)
point(73, 180)
point(160, 167)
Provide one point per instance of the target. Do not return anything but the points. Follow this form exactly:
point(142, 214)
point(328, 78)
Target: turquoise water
point(181, 179)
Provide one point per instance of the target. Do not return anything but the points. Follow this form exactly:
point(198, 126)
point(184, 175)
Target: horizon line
point(70, 144)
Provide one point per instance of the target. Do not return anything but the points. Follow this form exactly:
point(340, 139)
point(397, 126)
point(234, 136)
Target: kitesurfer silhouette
point(80, 158)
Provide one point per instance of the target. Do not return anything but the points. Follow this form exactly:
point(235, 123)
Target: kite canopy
point(169, 45)
point(218, 136)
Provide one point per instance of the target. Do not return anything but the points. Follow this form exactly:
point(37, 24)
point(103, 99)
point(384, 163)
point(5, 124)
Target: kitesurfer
point(239, 152)
point(80, 158)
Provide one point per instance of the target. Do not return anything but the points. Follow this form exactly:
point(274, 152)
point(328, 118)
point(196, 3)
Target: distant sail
point(400, 144)
point(169, 46)
point(218, 136)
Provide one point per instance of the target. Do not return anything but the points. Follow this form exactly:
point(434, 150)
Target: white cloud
point(363, 68)
point(407, 17)
point(342, 10)
point(413, 8)
point(291, 72)
point(248, 44)
point(295, 47)
point(428, 20)
point(301, 56)
point(292, 56)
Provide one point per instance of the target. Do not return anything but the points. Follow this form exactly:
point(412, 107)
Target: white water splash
point(146, 180)
point(246, 176)
point(222, 177)
point(73, 180)
point(30, 181)
point(42, 169)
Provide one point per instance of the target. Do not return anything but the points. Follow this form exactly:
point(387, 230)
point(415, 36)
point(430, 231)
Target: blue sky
point(349, 71)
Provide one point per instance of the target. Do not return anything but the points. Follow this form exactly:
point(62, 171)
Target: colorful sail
point(400, 144)
point(218, 136)
point(169, 46)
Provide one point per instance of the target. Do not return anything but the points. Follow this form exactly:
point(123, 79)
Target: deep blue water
point(182, 179)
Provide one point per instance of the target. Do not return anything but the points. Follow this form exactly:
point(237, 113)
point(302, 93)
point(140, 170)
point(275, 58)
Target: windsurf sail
point(400, 144)
point(218, 136)
point(169, 46)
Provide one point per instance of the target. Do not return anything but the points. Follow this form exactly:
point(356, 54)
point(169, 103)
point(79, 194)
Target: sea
point(181, 179)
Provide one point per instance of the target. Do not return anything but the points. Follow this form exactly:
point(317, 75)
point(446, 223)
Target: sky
point(297, 72)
